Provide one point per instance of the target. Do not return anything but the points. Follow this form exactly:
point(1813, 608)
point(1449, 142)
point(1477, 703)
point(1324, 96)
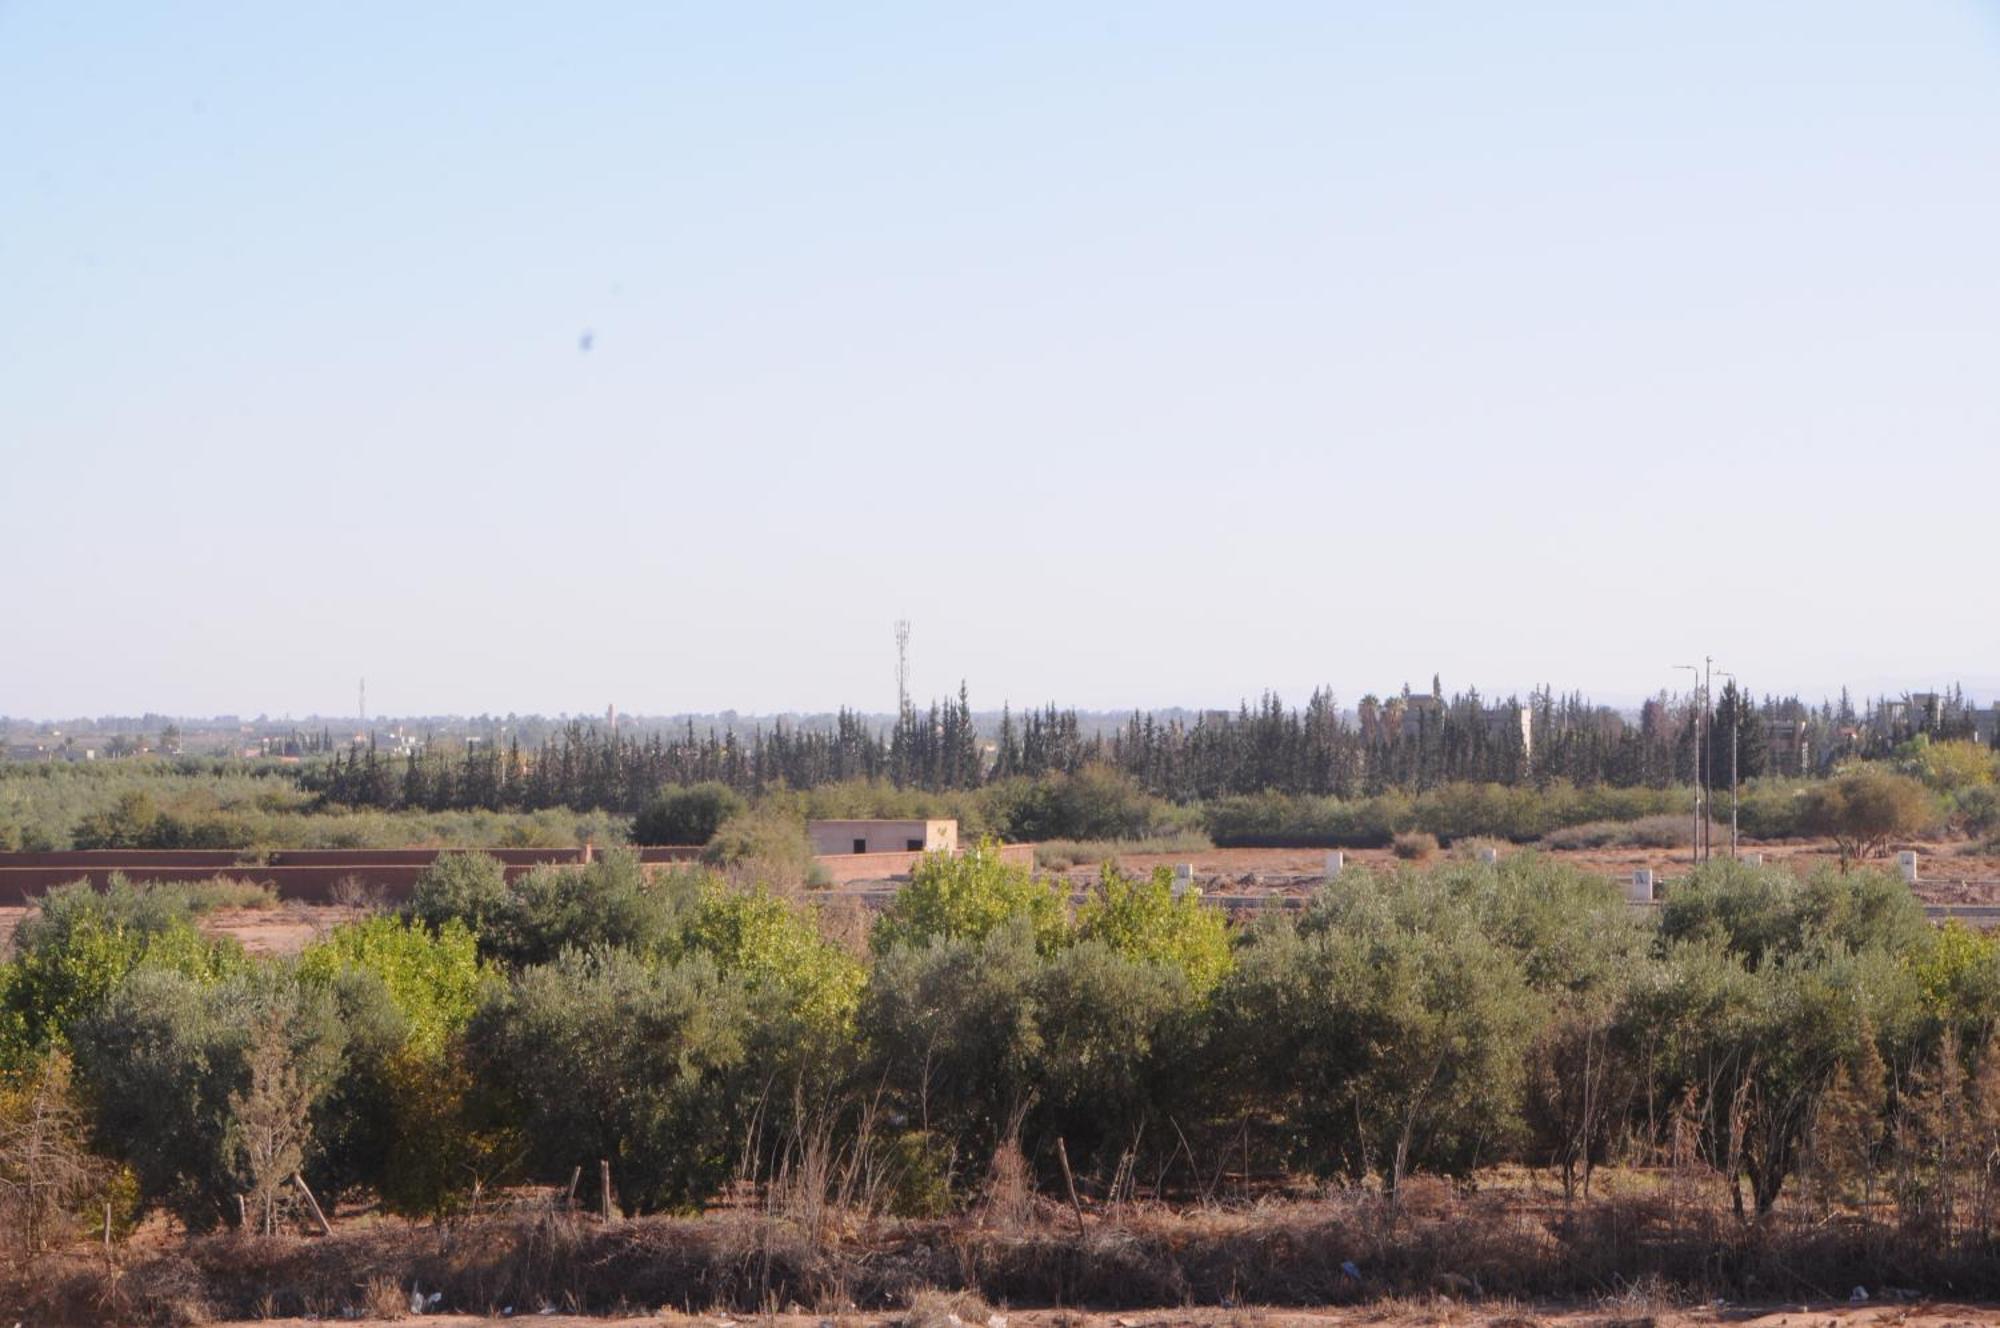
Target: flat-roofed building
point(1508, 720)
point(1788, 746)
point(831, 837)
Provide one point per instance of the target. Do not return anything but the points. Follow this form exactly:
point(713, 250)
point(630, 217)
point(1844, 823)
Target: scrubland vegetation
point(1082, 817)
point(1781, 1071)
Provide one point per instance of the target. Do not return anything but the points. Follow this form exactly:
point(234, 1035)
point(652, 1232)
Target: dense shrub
point(1977, 809)
point(187, 1080)
point(1142, 921)
point(1415, 845)
point(768, 844)
point(80, 943)
point(1095, 803)
point(1387, 1026)
point(776, 949)
point(602, 1054)
point(611, 901)
point(470, 888)
point(952, 1026)
point(1451, 811)
point(1864, 810)
point(687, 815)
point(1646, 832)
point(1763, 913)
point(968, 896)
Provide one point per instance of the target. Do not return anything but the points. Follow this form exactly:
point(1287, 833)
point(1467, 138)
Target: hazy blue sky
point(1139, 354)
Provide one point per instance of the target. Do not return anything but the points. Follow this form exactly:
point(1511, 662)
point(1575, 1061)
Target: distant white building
point(1500, 720)
point(837, 837)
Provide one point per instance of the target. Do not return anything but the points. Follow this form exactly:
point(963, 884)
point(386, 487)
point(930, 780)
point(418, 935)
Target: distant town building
point(1501, 721)
point(1986, 725)
point(1788, 746)
point(834, 837)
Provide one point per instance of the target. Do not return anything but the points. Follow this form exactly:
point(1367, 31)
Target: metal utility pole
point(1735, 739)
point(1696, 686)
point(1707, 779)
point(902, 667)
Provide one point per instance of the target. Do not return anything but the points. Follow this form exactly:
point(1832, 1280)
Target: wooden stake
point(604, 1186)
point(312, 1205)
point(1069, 1183)
point(575, 1178)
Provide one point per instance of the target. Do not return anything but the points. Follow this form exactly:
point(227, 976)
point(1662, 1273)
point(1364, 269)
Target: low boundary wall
point(307, 875)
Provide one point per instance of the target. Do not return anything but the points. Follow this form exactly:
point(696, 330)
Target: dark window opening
point(860, 846)
point(914, 845)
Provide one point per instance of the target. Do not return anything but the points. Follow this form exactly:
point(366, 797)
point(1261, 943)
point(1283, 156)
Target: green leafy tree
point(775, 947)
point(768, 842)
point(1387, 1027)
point(953, 1029)
point(1866, 810)
point(612, 901)
point(967, 898)
point(1142, 920)
point(166, 1062)
point(404, 995)
point(126, 824)
point(434, 980)
point(1116, 1036)
point(79, 943)
point(603, 1055)
point(467, 887)
point(689, 815)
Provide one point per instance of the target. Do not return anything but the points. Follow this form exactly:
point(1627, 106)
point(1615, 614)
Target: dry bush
point(1007, 1198)
point(222, 892)
point(358, 892)
point(1414, 845)
point(382, 1298)
point(47, 1172)
point(1062, 854)
point(1674, 831)
point(931, 1308)
point(1630, 1257)
point(844, 920)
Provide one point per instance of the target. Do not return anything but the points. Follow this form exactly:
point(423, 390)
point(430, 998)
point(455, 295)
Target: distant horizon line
point(1858, 695)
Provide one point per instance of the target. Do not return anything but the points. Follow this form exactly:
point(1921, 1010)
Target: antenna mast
point(902, 666)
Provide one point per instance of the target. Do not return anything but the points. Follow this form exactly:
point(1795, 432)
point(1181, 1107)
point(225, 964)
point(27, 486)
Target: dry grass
point(946, 1309)
point(1629, 1258)
point(1062, 854)
point(1415, 846)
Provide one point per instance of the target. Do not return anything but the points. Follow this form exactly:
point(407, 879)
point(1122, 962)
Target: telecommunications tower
point(902, 667)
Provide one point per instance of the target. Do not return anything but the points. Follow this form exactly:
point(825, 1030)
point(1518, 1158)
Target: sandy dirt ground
point(1946, 875)
point(1438, 1314)
point(285, 929)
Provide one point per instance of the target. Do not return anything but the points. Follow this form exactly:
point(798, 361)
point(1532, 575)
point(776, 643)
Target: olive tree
point(1865, 810)
point(604, 1055)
